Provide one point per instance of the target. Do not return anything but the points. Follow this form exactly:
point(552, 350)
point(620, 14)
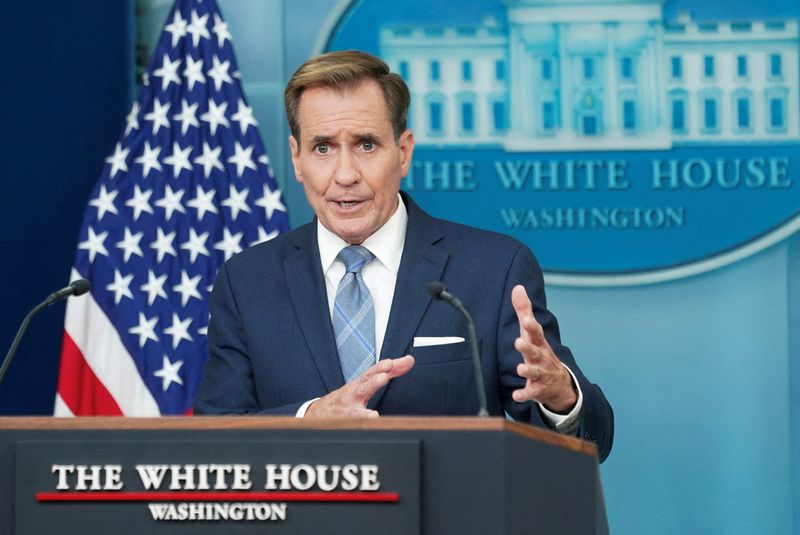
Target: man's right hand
point(350, 401)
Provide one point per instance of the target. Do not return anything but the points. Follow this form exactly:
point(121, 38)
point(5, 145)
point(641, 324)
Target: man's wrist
point(565, 423)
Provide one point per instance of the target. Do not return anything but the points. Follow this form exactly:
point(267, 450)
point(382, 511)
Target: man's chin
point(350, 234)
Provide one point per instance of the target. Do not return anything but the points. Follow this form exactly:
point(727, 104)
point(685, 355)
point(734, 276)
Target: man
point(297, 323)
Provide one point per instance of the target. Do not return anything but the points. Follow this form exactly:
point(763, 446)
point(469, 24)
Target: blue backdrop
point(703, 372)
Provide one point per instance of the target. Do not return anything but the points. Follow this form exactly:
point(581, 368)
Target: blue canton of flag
point(188, 185)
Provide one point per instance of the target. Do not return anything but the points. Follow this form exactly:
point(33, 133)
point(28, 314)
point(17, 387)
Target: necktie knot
point(355, 257)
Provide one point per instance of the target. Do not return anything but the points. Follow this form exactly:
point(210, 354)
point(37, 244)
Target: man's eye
point(321, 149)
point(368, 146)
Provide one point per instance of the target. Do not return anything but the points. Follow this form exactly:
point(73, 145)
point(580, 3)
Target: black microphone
point(78, 287)
point(439, 291)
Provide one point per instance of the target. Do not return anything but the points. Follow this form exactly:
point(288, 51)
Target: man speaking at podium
point(334, 319)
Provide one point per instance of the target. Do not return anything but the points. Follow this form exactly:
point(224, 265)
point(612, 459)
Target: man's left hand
point(547, 381)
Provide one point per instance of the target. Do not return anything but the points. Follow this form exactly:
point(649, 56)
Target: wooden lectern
point(252, 474)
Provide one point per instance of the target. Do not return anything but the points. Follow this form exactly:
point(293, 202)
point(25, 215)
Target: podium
point(251, 474)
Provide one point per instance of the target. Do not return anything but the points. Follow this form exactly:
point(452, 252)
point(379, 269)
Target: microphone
point(439, 291)
point(77, 287)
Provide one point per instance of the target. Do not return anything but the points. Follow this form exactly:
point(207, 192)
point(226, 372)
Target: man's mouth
point(348, 204)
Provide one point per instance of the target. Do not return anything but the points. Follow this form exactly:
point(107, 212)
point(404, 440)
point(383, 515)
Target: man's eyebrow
point(320, 139)
point(368, 136)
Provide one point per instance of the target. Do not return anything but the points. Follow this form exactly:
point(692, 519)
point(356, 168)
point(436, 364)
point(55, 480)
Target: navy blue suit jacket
point(272, 345)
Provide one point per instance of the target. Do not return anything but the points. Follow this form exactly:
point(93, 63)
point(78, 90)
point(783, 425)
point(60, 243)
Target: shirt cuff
point(301, 412)
point(566, 424)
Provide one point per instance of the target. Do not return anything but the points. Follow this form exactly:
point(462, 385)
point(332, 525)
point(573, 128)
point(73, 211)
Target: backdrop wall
point(703, 372)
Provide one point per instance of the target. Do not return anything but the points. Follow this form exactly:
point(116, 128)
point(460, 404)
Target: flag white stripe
point(102, 348)
point(61, 409)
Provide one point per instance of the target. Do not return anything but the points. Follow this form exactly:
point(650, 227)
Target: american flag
point(187, 185)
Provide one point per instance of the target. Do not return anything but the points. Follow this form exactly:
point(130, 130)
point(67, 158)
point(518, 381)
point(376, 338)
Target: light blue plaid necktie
point(354, 315)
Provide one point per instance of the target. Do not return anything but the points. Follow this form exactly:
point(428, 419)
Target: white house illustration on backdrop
point(583, 75)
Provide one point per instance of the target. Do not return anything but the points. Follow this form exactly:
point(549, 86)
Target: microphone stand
point(438, 291)
point(20, 333)
point(78, 287)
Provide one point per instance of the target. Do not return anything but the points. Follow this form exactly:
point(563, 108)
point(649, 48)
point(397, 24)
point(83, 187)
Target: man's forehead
point(357, 112)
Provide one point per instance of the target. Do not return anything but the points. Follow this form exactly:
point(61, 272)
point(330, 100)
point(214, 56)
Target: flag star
point(95, 244)
point(194, 72)
point(120, 286)
point(179, 330)
point(219, 72)
point(263, 235)
point(230, 243)
point(203, 202)
point(149, 159)
point(117, 160)
point(243, 158)
point(163, 244)
point(196, 244)
point(215, 115)
point(187, 117)
point(146, 79)
point(198, 28)
point(237, 201)
point(140, 202)
point(221, 29)
point(177, 28)
point(169, 372)
point(209, 159)
point(154, 286)
point(203, 331)
point(188, 287)
point(168, 72)
point(179, 159)
point(158, 115)
point(132, 120)
point(244, 116)
point(104, 202)
point(171, 202)
point(271, 201)
point(130, 244)
point(265, 160)
point(145, 329)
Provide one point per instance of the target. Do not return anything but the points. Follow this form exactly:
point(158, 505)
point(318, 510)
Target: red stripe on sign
point(217, 496)
point(79, 387)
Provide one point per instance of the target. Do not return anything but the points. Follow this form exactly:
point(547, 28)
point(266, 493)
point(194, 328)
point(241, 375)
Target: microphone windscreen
point(436, 288)
point(81, 286)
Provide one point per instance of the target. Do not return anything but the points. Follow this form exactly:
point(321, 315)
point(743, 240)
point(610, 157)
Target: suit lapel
point(310, 302)
point(421, 264)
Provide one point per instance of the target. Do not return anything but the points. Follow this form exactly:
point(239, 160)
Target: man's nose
point(347, 169)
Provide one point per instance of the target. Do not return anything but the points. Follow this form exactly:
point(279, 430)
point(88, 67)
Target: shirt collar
point(386, 243)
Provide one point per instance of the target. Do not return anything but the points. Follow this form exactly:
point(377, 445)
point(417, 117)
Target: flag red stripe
point(79, 387)
point(217, 496)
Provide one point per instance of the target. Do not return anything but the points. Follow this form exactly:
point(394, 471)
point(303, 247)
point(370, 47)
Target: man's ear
point(406, 143)
point(295, 148)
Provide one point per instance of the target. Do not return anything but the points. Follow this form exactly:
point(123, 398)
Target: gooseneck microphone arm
point(438, 291)
point(78, 287)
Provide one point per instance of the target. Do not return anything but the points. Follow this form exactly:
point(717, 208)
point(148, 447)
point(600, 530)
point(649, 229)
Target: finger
point(533, 329)
point(532, 373)
point(364, 388)
point(378, 375)
point(401, 366)
point(531, 353)
point(522, 305)
point(382, 366)
point(528, 393)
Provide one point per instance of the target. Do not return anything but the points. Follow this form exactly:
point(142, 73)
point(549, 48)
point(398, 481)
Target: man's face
point(348, 160)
